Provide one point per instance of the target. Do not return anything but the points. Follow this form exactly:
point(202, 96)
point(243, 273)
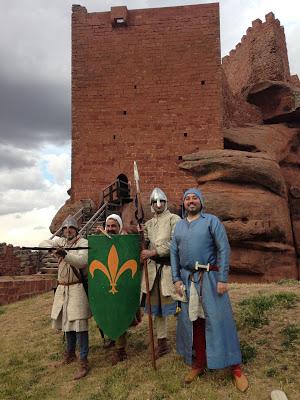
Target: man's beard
point(194, 211)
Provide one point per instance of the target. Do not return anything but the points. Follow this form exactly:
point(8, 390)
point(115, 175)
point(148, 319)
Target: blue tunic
point(205, 240)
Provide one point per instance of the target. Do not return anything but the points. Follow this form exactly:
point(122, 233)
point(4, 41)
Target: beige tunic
point(159, 231)
point(70, 310)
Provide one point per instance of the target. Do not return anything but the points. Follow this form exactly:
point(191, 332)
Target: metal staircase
point(113, 198)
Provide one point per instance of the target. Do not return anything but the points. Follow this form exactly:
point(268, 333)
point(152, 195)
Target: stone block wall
point(19, 288)
point(15, 261)
point(146, 86)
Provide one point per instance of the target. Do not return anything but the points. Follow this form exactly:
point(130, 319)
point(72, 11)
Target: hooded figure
point(205, 323)
point(70, 310)
point(158, 234)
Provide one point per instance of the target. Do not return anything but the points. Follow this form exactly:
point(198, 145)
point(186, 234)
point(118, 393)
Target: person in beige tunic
point(70, 310)
point(158, 233)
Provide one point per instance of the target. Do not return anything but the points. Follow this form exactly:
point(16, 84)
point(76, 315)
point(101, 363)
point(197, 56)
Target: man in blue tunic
point(200, 265)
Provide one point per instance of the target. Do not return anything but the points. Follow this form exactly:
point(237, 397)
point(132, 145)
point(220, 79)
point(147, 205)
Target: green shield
point(114, 281)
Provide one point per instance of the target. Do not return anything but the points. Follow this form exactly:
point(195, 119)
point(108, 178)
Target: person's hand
point(61, 253)
point(145, 254)
point(222, 287)
point(140, 228)
point(179, 288)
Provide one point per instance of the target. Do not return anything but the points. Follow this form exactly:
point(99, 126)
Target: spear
point(139, 214)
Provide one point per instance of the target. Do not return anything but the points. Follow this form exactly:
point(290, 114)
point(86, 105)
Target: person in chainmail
point(158, 232)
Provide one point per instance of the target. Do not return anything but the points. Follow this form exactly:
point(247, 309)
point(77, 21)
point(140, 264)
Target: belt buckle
point(207, 267)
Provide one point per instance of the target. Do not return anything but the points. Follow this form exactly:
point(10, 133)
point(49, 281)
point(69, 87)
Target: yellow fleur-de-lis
point(112, 272)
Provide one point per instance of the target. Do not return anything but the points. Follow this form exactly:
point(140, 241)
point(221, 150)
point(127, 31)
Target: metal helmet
point(158, 195)
point(70, 222)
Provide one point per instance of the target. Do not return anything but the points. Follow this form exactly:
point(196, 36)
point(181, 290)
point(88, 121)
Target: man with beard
point(158, 233)
point(200, 265)
point(70, 310)
point(114, 226)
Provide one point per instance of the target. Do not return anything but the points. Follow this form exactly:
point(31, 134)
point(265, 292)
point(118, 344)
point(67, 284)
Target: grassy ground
point(268, 317)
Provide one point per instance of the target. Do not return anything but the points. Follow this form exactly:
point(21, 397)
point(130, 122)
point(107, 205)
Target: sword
point(206, 267)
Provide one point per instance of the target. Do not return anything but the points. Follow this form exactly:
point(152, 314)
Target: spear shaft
point(145, 265)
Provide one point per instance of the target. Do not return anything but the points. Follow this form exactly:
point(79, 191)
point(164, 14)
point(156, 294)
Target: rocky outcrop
point(70, 208)
point(248, 193)
point(236, 166)
point(277, 100)
point(275, 140)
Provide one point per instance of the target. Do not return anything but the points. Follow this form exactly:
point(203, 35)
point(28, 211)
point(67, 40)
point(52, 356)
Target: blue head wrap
point(196, 192)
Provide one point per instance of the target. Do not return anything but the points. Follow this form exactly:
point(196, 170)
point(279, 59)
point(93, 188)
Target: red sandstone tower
point(146, 86)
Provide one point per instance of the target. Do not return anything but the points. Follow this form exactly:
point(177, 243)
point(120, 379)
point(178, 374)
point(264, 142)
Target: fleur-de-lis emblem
point(112, 272)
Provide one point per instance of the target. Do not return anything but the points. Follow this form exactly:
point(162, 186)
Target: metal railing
point(93, 220)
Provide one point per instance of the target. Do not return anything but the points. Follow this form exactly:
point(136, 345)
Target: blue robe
point(205, 240)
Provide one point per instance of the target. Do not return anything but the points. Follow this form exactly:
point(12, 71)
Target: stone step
point(49, 271)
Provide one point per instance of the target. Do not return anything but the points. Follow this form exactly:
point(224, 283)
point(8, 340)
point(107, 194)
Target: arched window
point(124, 189)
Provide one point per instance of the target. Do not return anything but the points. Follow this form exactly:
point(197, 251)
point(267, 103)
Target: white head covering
point(117, 218)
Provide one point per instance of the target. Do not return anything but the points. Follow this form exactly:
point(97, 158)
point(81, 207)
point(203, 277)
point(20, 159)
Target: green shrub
point(291, 334)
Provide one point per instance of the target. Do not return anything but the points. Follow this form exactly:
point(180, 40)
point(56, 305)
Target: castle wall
point(146, 86)
point(14, 261)
point(261, 55)
point(18, 288)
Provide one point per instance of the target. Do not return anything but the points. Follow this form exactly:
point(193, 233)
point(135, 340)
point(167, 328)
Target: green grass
point(254, 310)
point(291, 334)
point(30, 350)
point(2, 311)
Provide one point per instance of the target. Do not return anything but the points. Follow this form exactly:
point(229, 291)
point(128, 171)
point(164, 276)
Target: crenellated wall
point(261, 55)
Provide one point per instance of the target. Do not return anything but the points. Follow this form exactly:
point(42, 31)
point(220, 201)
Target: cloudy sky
point(35, 94)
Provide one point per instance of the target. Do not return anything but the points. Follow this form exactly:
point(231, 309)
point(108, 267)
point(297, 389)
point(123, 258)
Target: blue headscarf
point(196, 192)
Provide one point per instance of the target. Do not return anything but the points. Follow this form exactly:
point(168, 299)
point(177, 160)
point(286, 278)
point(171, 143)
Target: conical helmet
point(158, 195)
point(70, 222)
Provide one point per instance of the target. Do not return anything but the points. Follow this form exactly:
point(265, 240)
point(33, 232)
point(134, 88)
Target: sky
point(35, 98)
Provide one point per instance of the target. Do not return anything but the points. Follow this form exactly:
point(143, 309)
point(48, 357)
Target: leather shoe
point(194, 372)
point(241, 382)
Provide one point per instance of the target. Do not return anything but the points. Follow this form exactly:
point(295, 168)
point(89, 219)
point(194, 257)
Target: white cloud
point(59, 166)
point(22, 230)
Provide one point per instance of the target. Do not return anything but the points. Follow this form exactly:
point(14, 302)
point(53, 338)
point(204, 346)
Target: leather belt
point(162, 260)
point(68, 284)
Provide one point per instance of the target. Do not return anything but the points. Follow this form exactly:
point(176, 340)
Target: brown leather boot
point(83, 369)
point(118, 356)
point(194, 372)
point(68, 358)
point(162, 348)
point(108, 343)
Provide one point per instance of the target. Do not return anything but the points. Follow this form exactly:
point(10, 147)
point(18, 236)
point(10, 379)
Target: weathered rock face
point(278, 101)
point(282, 142)
point(70, 208)
point(275, 140)
point(247, 192)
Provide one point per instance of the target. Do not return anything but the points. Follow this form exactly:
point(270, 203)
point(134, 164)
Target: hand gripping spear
point(139, 214)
